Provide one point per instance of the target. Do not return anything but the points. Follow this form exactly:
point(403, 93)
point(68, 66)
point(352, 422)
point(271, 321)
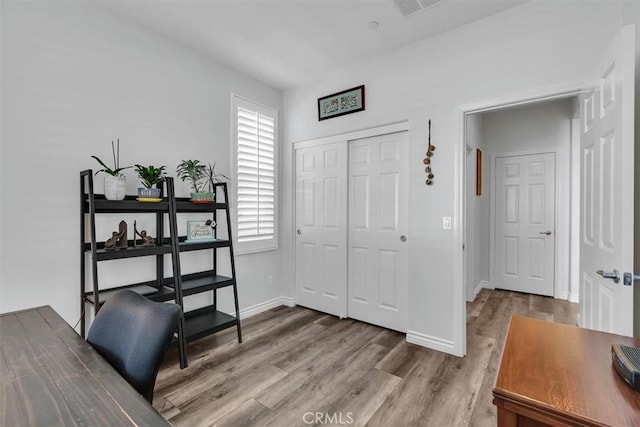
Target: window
point(256, 186)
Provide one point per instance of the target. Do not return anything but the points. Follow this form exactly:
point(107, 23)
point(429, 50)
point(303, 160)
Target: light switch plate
point(446, 223)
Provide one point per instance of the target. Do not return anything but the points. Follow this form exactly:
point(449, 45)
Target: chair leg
point(182, 345)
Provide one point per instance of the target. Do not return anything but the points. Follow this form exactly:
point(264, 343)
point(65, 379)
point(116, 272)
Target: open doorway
point(518, 198)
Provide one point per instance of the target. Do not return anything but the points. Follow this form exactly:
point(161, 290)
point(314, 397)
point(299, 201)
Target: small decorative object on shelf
point(145, 240)
point(198, 231)
point(427, 159)
point(203, 179)
point(114, 181)
point(150, 176)
point(118, 239)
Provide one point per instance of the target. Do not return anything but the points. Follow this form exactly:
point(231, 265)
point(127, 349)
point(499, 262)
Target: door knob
point(614, 275)
point(548, 232)
point(403, 238)
point(299, 231)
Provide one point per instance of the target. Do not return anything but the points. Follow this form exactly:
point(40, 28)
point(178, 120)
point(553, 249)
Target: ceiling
point(287, 43)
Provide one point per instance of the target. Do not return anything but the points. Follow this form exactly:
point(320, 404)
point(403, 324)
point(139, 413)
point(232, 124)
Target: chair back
point(133, 333)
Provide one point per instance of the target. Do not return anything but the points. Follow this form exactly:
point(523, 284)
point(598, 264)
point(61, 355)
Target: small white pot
point(115, 187)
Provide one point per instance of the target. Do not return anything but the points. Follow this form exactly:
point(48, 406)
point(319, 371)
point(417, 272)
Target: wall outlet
point(270, 281)
point(446, 223)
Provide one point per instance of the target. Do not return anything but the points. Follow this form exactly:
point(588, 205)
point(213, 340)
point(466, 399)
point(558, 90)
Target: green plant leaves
point(193, 171)
point(150, 175)
point(107, 169)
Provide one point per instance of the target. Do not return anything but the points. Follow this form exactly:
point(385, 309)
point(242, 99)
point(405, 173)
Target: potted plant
point(202, 177)
point(150, 176)
point(114, 182)
point(196, 173)
point(212, 177)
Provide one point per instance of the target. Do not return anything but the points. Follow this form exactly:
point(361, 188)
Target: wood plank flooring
point(299, 367)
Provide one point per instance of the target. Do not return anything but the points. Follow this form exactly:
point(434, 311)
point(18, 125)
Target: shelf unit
point(194, 324)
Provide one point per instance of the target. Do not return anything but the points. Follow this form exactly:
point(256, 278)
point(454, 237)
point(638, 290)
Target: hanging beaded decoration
point(427, 159)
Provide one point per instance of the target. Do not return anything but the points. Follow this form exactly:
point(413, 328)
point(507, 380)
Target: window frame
point(261, 245)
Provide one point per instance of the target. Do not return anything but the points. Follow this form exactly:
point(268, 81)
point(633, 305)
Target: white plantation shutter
point(255, 176)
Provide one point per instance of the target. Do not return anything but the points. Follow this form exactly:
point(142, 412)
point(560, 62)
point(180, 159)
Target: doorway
point(526, 189)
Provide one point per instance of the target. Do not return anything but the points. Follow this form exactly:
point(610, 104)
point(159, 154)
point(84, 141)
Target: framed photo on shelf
point(341, 103)
point(200, 231)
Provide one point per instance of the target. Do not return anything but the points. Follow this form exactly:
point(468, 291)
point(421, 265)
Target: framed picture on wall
point(341, 103)
point(478, 172)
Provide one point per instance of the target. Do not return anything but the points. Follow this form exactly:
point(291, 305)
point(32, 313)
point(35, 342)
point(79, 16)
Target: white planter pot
point(114, 187)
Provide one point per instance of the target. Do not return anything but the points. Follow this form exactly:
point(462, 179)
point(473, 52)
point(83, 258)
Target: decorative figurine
point(145, 240)
point(118, 239)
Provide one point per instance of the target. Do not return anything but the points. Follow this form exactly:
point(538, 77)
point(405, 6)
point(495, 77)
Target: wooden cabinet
point(196, 323)
point(559, 375)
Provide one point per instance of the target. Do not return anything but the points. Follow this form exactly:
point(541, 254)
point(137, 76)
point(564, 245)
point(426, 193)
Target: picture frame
point(200, 231)
point(341, 103)
point(478, 172)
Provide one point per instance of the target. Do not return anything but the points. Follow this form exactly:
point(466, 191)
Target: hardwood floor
point(299, 367)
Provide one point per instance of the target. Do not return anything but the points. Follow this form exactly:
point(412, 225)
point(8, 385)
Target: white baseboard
point(567, 296)
point(264, 306)
point(579, 321)
point(483, 284)
point(429, 341)
point(288, 301)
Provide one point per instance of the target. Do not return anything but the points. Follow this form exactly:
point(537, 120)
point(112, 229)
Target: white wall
point(543, 127)
point(537, 47)
point(76, 77)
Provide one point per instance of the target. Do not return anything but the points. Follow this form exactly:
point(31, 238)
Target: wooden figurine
point(118, 239)
point(145, 240)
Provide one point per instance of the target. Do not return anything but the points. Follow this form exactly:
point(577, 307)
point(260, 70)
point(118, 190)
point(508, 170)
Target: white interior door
point(321, 232)
point(378, 223)
point(607, 169)
point(525, 223)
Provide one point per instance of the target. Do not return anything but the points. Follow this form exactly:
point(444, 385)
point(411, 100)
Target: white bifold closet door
point(378, 226)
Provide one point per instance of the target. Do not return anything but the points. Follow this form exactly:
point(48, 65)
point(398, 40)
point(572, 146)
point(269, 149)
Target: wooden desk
point(553, 374)
point(50, 376)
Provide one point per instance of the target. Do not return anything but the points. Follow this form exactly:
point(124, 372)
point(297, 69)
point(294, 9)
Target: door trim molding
point(492, 214)
point(460, 175)
point(356, 134)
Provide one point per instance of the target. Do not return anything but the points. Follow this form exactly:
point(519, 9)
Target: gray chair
point(133, 333)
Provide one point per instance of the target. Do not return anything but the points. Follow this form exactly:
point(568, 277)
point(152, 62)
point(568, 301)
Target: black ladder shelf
point(194, 324)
